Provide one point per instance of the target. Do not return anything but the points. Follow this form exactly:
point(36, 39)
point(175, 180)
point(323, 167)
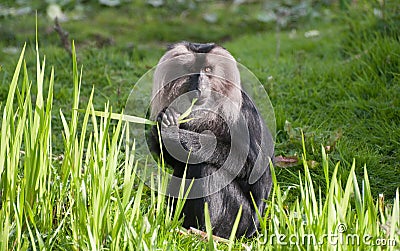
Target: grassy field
point(68, 180)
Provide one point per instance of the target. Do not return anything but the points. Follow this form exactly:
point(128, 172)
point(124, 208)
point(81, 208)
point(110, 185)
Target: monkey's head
point(206, 72)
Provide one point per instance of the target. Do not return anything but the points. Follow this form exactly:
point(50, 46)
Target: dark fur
point(224, 204)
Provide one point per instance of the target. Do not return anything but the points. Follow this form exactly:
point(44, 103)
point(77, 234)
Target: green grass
point(68, 180)
point(94, 200)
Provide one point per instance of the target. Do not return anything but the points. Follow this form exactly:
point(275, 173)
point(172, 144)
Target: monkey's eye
point(207, 69)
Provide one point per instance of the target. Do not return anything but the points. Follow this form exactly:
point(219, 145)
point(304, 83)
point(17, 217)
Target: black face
point(193, 84)
point(205, 72)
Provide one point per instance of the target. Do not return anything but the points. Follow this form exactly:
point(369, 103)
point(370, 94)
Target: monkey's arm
point(227, 148)
point(181, 144)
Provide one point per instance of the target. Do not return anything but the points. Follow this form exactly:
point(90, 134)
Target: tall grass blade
point(207, 221)
point(8, 113)
point(234, 228)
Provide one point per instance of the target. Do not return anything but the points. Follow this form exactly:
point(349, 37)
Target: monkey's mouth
point(200, 97)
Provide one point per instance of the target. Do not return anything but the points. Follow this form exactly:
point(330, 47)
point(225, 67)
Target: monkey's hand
point(168, 118)
point(182, 143)
point(192, 147)
point(175, 136)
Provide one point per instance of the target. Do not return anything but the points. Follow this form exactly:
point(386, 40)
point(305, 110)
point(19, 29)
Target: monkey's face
point(205, 72)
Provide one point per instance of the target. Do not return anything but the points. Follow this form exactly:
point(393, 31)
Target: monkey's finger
point(175, 116)
point(171, 117)
point(166, 120)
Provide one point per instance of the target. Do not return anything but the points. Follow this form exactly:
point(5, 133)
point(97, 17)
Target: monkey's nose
point(204, 82)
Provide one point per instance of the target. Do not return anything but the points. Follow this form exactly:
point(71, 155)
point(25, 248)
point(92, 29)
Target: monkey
point(224, 143)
